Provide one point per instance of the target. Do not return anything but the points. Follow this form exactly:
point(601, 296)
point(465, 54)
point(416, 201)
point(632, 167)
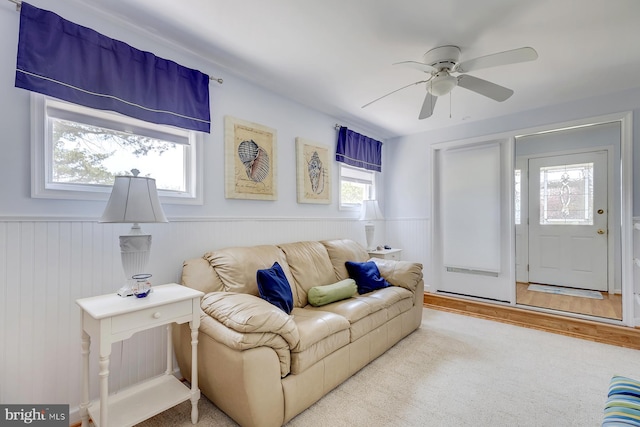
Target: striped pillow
point(623, 403)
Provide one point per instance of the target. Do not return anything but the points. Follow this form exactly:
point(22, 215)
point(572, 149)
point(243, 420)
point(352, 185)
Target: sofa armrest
point(242, 322)
point(400, 273)
point(246, 313)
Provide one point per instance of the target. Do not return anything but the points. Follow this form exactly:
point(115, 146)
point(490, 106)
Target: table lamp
point(370, 212)
point(134, 199)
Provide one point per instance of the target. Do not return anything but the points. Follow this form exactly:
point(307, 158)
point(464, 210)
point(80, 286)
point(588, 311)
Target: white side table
point(386, 254)
point(110, 318)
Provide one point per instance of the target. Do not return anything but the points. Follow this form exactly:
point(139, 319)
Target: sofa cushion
point(236, 267)
point(274, 287)
point(400, 273)
point(197, 273)
point(624, 386)
point(368, 312)
point(321, 333)
point(623, 403)
point(326, 294)
point(310, 266)
point(386, 297)
point(366, 275)
point(341, 251)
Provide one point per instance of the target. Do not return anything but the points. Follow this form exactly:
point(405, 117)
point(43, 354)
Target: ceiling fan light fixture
point(440, 62)
point(442, 84)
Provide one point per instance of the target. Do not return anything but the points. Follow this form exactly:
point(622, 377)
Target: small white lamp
point(370, 212)
point(134, 199)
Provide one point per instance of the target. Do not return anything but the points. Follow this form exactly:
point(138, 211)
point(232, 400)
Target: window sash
point(358, 176)
point(42, 185)
point(65, 111)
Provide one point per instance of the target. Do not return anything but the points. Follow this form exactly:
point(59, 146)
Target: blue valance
point(358, 150)
point(77, 64)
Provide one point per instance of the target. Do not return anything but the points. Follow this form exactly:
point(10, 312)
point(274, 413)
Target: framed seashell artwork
point(313, 172)
point(250, 160)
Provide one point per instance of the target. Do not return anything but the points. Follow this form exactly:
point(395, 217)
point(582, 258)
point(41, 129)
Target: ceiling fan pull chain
point(433, 99)
point(450, 100)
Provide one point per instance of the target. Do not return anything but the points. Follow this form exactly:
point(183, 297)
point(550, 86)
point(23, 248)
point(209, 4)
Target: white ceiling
point(337, 55)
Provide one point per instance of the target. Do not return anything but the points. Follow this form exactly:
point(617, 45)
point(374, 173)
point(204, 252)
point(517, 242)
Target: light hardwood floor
point(609, 307)
point(579, 328)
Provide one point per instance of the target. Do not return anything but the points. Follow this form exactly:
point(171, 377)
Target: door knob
point(601, 231)
point(600, 211)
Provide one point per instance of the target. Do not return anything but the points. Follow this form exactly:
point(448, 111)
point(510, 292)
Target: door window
point(566, 194)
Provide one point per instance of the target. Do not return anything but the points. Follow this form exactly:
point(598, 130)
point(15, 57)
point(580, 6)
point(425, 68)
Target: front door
point(568, 220)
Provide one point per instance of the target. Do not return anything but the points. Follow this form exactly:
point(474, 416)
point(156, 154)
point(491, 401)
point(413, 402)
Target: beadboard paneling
point(412, 236)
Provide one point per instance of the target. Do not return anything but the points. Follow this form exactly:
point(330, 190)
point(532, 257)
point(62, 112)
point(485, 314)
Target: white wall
point(53, 252)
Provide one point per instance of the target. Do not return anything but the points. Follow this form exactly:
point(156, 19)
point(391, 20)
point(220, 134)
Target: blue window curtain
point(77, 64)
point(358, 150)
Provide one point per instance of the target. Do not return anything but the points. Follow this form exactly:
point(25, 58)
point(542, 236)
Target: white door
point(568, 220)
point(472, 237)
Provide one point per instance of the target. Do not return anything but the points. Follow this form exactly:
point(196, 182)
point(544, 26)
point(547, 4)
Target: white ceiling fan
point(440, 63)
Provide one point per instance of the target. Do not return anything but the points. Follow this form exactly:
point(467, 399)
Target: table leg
point(84, 405)
point(195, 391)
point(104, 389)
point(169, 370)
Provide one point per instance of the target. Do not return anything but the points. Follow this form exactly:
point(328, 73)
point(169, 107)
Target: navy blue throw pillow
point(366, 275)
point(274, 287)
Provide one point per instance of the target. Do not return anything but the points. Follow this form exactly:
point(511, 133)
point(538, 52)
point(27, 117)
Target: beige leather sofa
point(263, 367)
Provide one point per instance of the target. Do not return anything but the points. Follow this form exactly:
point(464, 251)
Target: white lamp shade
point(370, 211)
point(442, 85)
point(134, 199)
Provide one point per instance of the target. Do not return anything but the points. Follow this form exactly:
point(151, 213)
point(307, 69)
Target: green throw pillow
point(322, 295)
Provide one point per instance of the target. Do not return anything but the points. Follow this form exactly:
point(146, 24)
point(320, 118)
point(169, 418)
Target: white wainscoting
point(46, 264)
point(412, 235)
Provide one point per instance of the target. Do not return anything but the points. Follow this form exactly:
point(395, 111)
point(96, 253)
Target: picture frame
point(313, 172)
point(250, 160)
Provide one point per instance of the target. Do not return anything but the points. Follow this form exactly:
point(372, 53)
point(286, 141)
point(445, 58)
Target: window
point(566, 194)
point(356, 185)
point(518, 195)
point(79, 150)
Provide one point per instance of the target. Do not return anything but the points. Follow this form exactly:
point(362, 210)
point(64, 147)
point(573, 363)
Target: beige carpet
point(463, 371)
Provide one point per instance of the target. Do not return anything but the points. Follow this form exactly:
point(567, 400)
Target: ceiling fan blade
point(420, 66)
point(483, 87)
point(427, 106)
point(391, 93)
point(514, 56)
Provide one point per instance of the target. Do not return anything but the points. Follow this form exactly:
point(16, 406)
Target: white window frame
point(42, 185)
point(358, 171)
